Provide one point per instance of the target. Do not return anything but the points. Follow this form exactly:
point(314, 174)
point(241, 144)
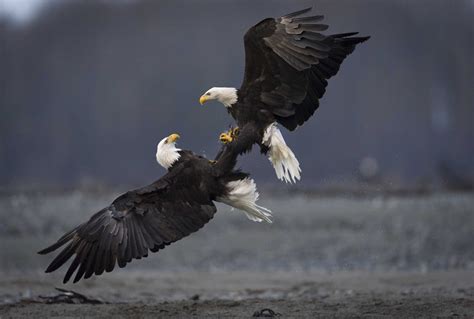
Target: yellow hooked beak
point(173, 138)
point(203, 99)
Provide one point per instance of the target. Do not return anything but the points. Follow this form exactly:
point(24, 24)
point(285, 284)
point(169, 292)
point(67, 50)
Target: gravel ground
point(342, 256)
point(241, 294)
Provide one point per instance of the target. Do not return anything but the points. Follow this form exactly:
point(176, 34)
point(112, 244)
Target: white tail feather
point(242, 194)
point(287, 167)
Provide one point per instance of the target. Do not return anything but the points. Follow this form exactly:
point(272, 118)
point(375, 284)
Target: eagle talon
point(225, 138)
point(212, 161)
point(234, 132)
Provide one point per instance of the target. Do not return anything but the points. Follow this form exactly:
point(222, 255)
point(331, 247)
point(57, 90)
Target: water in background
point(421, 233)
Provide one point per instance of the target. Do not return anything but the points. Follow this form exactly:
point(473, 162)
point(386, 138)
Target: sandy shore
point(240, 294)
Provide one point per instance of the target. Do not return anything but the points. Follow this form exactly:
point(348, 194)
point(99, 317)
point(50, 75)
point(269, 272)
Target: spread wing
point(137, 222)
point(288, 62)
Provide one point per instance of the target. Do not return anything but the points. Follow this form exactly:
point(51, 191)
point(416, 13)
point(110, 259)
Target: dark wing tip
point(355, 40)
point(49, 269)
point(44, 251)
point(344, 35)
point(348, 35)
point(297, 13)
point(51, 248)
point(348, 39)
point(61, 241)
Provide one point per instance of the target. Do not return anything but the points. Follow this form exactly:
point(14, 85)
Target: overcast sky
point(21, 11)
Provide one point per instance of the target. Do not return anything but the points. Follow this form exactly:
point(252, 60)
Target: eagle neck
point(228, 96)
point(167, 154)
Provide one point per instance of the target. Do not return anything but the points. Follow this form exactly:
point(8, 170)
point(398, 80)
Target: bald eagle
point(152, 217)
point(287, 65)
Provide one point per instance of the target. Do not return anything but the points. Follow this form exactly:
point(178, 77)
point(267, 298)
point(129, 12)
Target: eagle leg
point(234, 132)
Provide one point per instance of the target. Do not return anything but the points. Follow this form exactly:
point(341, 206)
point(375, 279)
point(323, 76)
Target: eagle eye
point(208, 93)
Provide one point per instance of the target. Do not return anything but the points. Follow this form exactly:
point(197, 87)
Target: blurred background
point(88, 88)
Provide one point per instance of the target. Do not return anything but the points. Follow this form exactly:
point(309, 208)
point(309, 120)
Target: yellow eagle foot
point(226, 138)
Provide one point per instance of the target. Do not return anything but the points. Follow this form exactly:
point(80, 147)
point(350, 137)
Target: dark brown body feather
point(146, 219)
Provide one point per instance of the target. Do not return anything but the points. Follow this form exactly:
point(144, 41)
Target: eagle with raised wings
point(287, 64)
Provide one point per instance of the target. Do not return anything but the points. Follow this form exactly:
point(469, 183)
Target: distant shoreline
point(362, 191)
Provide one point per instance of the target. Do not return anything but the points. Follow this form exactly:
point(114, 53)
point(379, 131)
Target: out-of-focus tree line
point(88, 88)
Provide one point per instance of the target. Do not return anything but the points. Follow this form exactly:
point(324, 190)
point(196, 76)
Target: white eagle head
point(166, 151)
point(227, 96)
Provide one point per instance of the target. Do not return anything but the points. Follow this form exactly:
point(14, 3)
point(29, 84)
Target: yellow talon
point(212, 161)
point(225, 138)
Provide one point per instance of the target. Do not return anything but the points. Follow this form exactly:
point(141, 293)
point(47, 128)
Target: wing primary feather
point(141, 243)
point(332, 65)
point(94, 224)
point(314, 27)
point(121, 250)
point(91, 260)
point(104, 248)
point(80, 273)
point(289, 56)
point(297, 13)
point(61, 241)
point(308, 19)
point(138, 239)
point(343, 35)
point(291, 59)
point(315, 55)
point(305, 43)
point(146, 235)
point(110, 264)
point(109, 260)
point(80, 251)
point(314, 36)
point(62, 257)
point(71, 269)
point(300, 53)
point(115, 253)
point(158, 247)
point(154, 233)
point(84, 255)
point(127, 249)
point(305, 47)
point(100, 264)
point(131, 241)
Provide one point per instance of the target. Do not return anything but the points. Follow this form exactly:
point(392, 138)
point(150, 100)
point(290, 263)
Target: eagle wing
point(288, 62)
point(137, 222)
